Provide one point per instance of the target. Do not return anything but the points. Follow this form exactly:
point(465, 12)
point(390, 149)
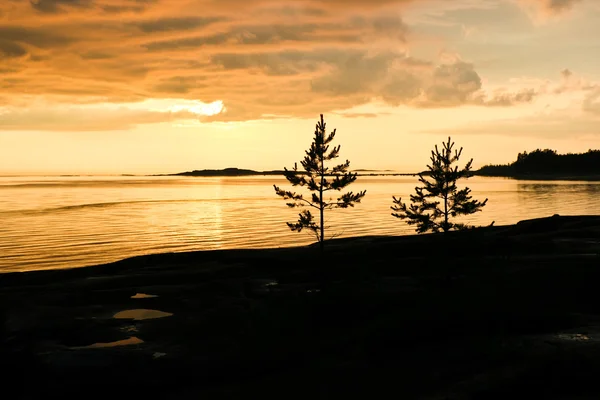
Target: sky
point(163, 86)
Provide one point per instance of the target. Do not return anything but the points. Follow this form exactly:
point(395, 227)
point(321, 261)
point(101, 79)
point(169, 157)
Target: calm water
point(76, 221)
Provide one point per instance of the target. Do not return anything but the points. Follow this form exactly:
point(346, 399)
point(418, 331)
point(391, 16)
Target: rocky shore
point(487, 313)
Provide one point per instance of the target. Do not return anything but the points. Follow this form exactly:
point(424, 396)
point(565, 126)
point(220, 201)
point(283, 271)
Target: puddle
point(143, 296)
point(158, 355)
point(141, 314)
point(129, 329)
point(574, 337)
point(125, 342)
point(272, 283)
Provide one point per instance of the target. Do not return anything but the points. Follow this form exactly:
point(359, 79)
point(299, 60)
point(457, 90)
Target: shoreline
point(542, 177)
point(334, 246)
point(481, 315)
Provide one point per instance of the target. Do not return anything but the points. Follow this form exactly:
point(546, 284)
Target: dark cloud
point(108, 6)
point(289, 11)
point(179, 84)
point(560, 5)
point(11, 49)
point(566, 73)
point(552, 6)
point(356, 30)
point(390, 26)
point(277, 63)
point(452, 84)
point(32, 36)
point(402, 88)
point(187, 43)
point(509, 99)
point(54, 6)
point(363, 76)
point(242, 35)
point(177, 24)
point(354, 73)
point(109, 9)
point(95, 55)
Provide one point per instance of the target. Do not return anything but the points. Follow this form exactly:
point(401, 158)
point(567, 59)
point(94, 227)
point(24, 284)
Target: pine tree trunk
point(322, 210)
point(445, 213)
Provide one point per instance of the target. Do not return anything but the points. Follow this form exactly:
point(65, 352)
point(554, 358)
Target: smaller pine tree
point(439, 199)
point(319, 179)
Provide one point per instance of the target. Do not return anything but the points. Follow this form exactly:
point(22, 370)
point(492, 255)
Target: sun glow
point(198, 107)
point(195, 107)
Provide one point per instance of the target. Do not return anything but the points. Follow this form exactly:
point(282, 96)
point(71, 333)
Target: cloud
point(264, 59)
point(357, 30)
point(53, 6)
point(506, 99)
point(53, 117)
point(547, 124)
point(548, 7)
point(75, 120)
point(453, 84)
point(558, 5)
point(176, 23)
point(179, 84)
point(591, 103)
point(10, 49)
point(362, 115)
point(570, 82)
point(41, 38)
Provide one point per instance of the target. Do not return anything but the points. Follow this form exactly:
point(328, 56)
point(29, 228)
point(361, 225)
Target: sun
point(198, 107)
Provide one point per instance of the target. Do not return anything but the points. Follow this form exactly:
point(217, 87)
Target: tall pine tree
point(319, 179)
point(439, 199)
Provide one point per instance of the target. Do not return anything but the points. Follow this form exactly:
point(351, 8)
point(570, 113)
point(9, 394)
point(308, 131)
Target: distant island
point(250, 172)
point(226, 172)
point(548, 164)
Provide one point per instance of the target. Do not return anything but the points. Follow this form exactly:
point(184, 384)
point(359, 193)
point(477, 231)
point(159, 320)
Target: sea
point(76, 221)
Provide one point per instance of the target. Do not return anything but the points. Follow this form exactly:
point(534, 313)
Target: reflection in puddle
point(272, 283)
point(125, 342)
point(141, 314)
point(143, 296)
point(158, 355)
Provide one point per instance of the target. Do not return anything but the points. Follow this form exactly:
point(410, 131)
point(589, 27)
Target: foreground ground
point(489, 313)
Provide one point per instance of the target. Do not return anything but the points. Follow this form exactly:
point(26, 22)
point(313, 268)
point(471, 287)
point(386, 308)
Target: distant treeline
point(548, 163)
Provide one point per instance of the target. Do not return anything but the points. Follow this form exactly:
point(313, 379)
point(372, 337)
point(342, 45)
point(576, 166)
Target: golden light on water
point(67, 222)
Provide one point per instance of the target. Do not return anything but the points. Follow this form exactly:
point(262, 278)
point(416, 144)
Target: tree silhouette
point(439, 198)
point(319, 179)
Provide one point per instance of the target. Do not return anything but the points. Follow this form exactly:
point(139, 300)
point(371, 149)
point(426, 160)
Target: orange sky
point(152, 86)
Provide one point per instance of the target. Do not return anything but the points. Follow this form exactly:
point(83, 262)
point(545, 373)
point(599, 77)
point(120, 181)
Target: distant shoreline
point(236, 172)
point(542, 177)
